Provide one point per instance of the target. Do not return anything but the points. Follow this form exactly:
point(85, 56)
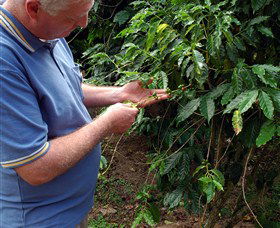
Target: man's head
point(50, 19)
point(54, 6)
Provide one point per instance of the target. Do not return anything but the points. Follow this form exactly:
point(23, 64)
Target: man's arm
point(95, 96)
point(66, 151)
point(133, 91)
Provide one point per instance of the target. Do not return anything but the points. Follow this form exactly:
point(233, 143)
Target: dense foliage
point(220, 62)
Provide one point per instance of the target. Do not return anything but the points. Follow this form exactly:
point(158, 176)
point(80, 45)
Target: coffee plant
point(219, 60)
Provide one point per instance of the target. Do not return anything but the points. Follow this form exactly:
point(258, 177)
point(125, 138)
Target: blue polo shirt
point(40, 99)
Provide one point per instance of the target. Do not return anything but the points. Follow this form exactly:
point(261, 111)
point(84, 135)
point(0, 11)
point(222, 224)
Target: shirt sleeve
point(23, 132)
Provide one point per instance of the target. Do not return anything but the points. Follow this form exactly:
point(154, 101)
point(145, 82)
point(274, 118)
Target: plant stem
point(243, 188)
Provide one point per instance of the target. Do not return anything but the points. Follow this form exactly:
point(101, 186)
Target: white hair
point(52, 7)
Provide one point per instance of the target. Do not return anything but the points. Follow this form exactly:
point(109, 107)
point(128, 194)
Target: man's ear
point(32, 8)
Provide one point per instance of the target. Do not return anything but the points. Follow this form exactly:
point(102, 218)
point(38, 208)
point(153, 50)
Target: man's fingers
point(159, 91)
point(150, 101)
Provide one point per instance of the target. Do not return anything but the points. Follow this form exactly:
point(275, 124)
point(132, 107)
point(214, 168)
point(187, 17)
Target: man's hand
point(120, 117)
point(135, 93)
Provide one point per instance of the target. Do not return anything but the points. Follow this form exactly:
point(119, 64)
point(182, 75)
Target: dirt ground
point(115, 200)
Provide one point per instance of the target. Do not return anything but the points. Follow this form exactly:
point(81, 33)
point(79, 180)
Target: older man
point(50, 148)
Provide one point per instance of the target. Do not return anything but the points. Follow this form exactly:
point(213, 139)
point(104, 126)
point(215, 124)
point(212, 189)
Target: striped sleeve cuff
point(27, 159)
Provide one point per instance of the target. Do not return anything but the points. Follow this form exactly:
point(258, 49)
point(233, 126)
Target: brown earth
point(128, 172)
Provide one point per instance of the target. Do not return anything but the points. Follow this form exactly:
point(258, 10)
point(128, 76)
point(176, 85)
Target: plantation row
point(219, 60)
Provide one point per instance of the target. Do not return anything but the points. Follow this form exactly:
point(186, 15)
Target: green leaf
point(242, 102)
point(103, 162)
point(218, 185)
point(148, 217)
point(267, 131)
point(207, 107)
point(236, 80)
point(198, 169)
point(205, 179)
point(198, 60)
point(228, 96)
point(239, 44)
point(258, 4)
point(218, 176)
point(275, 95)
point(174, 198)
point(162, 76)
point(258, 70)
point(219, 91)
point(137, 220)
point(258, 20)
point(151, 36)
point(161, 27)
point(270, 68)
point(228, 35)
point(266, 31)
point(171, 162)
point(266, 104)
point(209, 190)
point(268, 79)
point(188, 110)
point(190, 28)
point(121, 17)
point(237, 122)
point(248, 100)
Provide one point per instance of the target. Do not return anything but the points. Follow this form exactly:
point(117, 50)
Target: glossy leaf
point(121, 17)
point(151, 36)
point(161, 27)
point(242, 102)
point(207, 107)
point(248, 100)
point(219, 91)
point(275, 96)
point(268, 79)
point(258, 4)
point(267, 131)
point(171, 162)
point(173, 199)
point(188, 110)
point(266, 104)
point(218, 176)
point(228, 96)
point(236, 81)
point(148, 217)
point(266, 31)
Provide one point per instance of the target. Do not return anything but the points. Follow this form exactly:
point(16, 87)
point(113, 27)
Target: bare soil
point(116, 193)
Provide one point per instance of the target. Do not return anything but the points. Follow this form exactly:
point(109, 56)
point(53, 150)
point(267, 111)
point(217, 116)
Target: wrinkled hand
point(135, 92)
point(120, 117)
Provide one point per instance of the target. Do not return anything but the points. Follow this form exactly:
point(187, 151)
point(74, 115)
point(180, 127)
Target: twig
point(199, 205)
point(111, 161)
point(243, 188)
point(181, 147)
point(105, 147)
point(219, 143)
point(225, 150)
point(210, 141)
point(162, 123)
point(203, 215)
point(75, 36)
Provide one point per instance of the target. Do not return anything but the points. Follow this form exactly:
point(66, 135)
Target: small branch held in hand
point(113, 155)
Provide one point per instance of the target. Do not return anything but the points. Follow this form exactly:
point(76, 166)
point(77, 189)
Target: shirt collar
point(16, 29)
